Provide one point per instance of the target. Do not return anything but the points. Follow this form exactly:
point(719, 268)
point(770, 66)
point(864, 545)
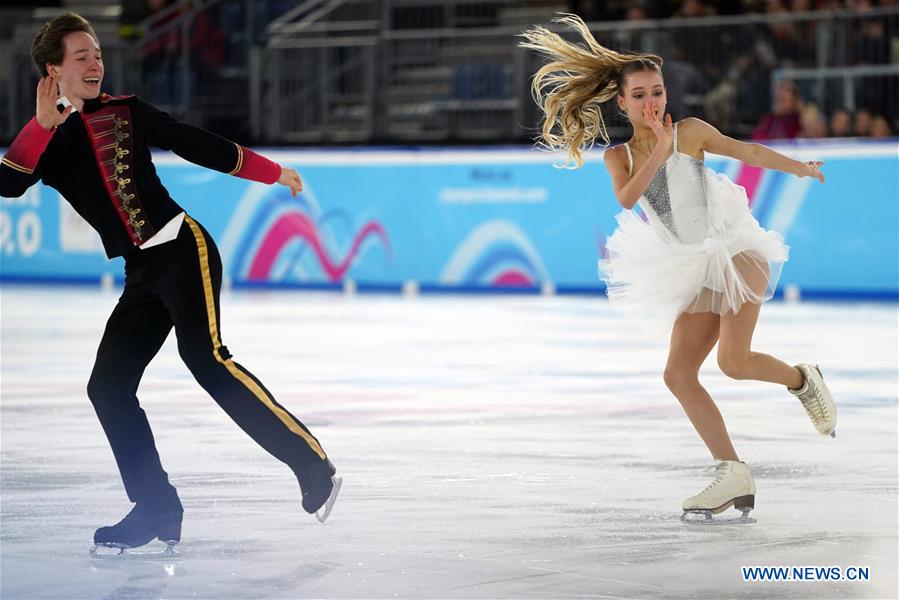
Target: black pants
point(177, 284)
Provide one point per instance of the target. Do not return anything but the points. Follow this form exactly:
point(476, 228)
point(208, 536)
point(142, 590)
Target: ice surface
point(491, 447)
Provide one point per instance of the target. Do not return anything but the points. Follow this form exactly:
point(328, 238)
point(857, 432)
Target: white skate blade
point(705, 517)
point(324, 512)
point(150, 550)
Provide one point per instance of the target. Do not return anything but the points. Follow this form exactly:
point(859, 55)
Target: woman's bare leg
point(693, 337)
point(739, 362)
point(734, 355)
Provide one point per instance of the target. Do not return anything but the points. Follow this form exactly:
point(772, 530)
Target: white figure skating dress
point(699, 249)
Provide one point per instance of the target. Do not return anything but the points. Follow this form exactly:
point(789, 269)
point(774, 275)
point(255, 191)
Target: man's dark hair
point(48, 46)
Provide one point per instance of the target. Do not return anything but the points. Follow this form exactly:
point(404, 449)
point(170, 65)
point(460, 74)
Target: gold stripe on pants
point(247, 381)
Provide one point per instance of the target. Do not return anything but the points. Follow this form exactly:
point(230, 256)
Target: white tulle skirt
point(653, 276)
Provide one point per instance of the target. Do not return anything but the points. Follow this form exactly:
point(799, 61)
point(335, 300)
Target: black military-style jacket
point(99, 160)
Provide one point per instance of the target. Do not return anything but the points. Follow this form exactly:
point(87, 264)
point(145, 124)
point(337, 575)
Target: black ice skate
point(140, 527)
point(319, 486)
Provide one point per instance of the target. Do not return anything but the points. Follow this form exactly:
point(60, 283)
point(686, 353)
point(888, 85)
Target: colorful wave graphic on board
point(289, 239)
point(774, 197)
point(495, 254)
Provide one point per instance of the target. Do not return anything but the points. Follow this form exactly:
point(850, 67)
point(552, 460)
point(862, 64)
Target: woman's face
point(642, 88)
point(81, 73)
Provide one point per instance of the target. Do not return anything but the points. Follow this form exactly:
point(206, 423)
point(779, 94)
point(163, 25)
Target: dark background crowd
point(727, 75)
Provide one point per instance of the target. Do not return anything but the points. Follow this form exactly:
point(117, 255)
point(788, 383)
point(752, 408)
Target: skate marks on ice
point(140, 578)
point(153, 550)
point(492, 447)
point(708, 518)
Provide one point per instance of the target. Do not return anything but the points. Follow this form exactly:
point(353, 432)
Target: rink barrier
point(470, 221)
point(425, 290)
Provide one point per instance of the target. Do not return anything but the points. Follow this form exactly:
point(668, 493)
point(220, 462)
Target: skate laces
point(811, 401)
point(721, 470)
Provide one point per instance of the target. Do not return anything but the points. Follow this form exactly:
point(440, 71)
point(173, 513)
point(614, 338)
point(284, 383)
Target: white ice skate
point(733, 486)
point(816, 399)
point(323, 513)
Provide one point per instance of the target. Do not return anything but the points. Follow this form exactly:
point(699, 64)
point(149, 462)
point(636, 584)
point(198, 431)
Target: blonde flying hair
point(572, 87)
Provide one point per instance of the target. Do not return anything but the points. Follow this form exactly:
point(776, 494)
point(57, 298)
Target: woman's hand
point(48, 116)
point(811, 169)
point(664, 132)
point(291, 179)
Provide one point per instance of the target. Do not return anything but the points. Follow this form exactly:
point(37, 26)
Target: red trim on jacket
point(255, 167)
point(25, 151)
point(104, 97)
point(110, 130)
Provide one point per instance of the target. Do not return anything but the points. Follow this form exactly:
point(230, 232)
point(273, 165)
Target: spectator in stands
point(783, 121)
point(841, 123)
point(812, 122)
point(880, 127)
point(862, 126)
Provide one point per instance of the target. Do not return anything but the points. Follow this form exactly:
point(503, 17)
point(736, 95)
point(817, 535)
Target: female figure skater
point(700, 264)
point(99, 160)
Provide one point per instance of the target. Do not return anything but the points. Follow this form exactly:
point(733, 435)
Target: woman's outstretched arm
point(757, 155)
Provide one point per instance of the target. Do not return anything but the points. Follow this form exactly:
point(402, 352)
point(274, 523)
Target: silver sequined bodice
point(676, 200)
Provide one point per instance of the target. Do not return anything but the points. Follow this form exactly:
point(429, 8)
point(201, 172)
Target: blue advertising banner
point(462, 220)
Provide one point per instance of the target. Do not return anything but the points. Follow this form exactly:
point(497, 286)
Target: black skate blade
point(324, 512)
point(153, 550)
point(705, 518)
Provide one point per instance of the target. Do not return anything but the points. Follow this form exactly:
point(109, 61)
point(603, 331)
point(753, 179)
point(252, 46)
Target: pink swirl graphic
point(294, 225)
point(512, 278)
point(750, 177)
